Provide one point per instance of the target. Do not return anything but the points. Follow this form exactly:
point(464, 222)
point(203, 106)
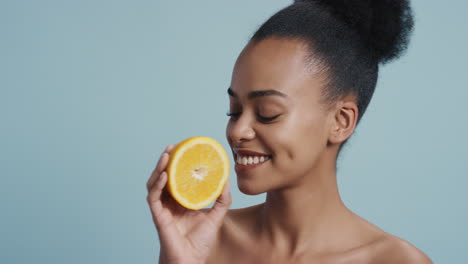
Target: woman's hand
point(186, 236)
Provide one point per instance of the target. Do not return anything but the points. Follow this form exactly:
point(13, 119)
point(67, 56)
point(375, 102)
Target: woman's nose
point(240, 130)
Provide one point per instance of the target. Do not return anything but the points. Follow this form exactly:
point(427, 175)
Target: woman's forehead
point(274, 64)
point(273, 56)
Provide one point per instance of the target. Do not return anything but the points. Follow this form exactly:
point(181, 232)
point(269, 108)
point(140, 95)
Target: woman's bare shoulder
point(241, 215)
point(235, 241)
point(234, 235)
point(240, 222)
point(382, 247)
point(392, 249)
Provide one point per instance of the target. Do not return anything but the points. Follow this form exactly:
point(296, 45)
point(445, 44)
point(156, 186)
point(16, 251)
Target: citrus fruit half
point(197, 170)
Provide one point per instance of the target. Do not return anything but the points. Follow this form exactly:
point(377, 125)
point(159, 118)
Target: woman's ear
point(343, 121)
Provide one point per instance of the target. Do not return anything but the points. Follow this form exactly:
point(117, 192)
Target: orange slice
point(197, 171)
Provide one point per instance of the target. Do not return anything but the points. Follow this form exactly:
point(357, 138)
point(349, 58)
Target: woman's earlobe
point(344, 122)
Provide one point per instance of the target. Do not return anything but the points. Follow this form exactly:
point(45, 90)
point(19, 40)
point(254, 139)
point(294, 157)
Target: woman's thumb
point(222, 204)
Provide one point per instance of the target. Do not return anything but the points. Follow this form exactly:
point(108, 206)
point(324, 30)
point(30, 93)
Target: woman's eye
point(234, 116)
point(267, 119)
point(264, 119)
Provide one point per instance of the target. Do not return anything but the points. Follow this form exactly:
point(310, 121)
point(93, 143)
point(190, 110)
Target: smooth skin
point(303, 219)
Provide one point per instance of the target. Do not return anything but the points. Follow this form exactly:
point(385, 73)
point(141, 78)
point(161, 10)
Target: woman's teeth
point(248, 160)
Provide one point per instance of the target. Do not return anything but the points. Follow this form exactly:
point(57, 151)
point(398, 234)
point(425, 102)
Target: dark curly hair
point(349, 37)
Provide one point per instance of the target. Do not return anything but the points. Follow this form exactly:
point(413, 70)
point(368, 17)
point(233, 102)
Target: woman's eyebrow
point(258, 93)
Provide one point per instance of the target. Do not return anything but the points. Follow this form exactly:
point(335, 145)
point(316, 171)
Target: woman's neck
point(308, 215)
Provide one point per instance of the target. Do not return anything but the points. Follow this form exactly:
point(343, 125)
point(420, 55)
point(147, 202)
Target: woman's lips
point(246, 167)
point(246, 159)
point(246, 152)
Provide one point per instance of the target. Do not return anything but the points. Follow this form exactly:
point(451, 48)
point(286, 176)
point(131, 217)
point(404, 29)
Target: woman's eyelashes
point(267, 119)
point(235, 116)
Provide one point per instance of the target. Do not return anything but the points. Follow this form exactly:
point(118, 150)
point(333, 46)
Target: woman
point(298, 90)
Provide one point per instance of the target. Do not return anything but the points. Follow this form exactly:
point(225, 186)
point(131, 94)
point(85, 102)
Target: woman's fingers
point(160, 167)
point(156, 191)
point(169, 148)
point(222, 204)
point(157, 171)
point(156, 204)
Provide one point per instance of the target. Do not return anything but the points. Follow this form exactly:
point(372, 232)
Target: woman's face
point(276, 113)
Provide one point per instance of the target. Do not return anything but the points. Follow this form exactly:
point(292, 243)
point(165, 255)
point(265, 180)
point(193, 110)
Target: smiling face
point(276, 111)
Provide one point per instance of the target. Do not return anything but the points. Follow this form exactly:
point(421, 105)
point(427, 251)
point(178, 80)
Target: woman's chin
point(249, 188)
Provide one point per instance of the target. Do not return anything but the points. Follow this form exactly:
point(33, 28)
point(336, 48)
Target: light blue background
point(92, 91)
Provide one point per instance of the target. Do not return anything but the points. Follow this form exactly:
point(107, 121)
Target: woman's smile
point(247, 159)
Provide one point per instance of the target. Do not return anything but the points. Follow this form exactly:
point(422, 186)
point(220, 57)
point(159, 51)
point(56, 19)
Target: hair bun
point(383, 25)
